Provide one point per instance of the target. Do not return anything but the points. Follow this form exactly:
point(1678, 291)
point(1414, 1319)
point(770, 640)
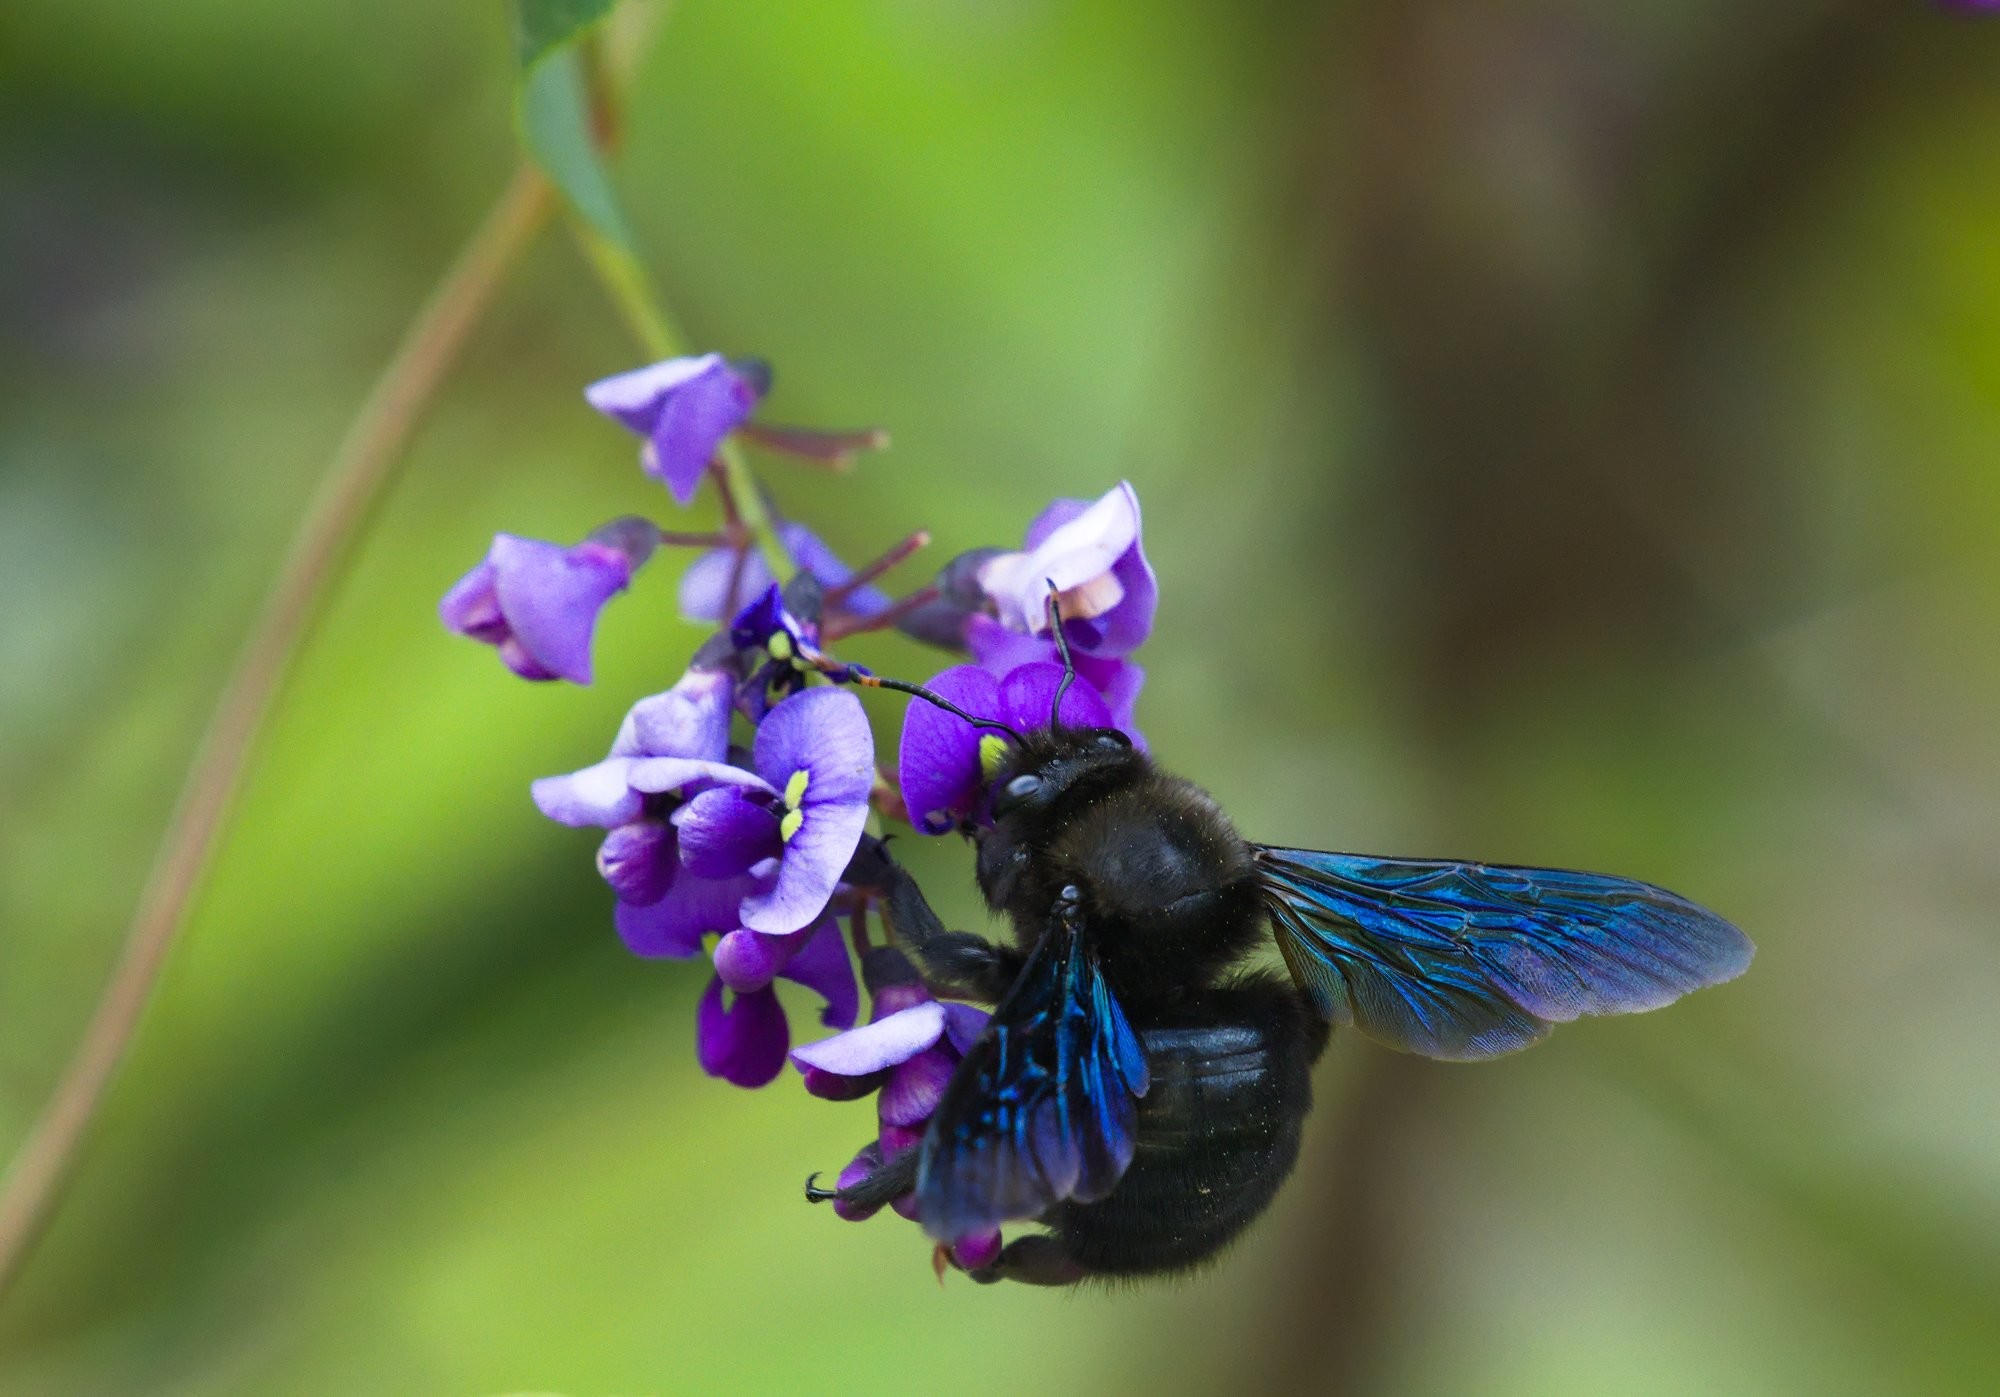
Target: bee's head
point(1052, 770)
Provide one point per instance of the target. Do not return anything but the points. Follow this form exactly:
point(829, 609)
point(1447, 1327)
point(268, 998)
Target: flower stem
point(631, 291)
point(354, 481)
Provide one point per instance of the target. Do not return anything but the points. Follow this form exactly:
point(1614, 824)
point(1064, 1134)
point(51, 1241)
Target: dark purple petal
point(550, 597)
point(684, 408)
point(915, 1088)
point(638, 860)
point(822, 966)
point(830, 1086)
point(962, 1026)
point(597, 795)
point(740, 1038)
point(979, 1249)
point(895, 1139)
point(675, 925)
point(724, 832)
point(689, 720)
point(887, 1042)
point(938, 762)
point(1117, 681)
point(1028, 694)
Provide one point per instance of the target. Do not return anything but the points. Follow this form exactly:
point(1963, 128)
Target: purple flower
point(705, 587)
point(670, 747)
point(1117, 680)
point(741, 1034)
point(945, 762)
point(684, 408)
point(538, 602)
point(796, 822)
point(906, 1054)
point(1092, 553)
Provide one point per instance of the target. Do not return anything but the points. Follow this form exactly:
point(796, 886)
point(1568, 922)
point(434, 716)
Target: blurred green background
point(1569, 431)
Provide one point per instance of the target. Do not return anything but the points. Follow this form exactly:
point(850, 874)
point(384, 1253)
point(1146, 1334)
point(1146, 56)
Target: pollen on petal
point(795, 789)
point(992, 752)
point(789, 826)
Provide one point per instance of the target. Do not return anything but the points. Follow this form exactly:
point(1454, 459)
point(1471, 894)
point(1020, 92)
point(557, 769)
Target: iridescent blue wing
point(1043, 1107)
point(1470, 960)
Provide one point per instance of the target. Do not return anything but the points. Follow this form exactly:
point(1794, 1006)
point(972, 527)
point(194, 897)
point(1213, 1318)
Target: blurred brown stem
point(354, 481)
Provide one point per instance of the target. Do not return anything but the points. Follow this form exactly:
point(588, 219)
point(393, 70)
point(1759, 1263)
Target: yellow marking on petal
point(789, 826)
point(992, 752)
point(795, 789)
point(780, 646)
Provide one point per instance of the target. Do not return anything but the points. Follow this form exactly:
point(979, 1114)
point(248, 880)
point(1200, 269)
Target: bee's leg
point(1037, 1259)
point(953, 962)
point(882, 1186)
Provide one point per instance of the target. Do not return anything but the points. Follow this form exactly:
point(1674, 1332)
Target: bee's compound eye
point(1022, 787)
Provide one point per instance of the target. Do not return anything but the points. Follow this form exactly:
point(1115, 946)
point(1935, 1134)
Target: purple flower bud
point(741, 1038)
point(538, 602)
point(684, 408)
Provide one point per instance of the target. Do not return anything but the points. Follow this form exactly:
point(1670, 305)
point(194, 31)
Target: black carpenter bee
point(1140, 1089)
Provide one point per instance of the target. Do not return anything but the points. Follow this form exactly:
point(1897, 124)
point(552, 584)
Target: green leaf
point(542, 25)
point(552, 109)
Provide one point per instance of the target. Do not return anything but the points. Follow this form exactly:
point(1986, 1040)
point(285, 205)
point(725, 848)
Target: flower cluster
point(733, 801)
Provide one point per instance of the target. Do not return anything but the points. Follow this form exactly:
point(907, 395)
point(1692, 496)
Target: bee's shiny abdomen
point(1218, 1133)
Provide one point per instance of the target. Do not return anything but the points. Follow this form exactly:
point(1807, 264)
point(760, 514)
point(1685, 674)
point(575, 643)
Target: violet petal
point(740, 1038)
point(938, 761)
point(724, 832)
point(876, 1047)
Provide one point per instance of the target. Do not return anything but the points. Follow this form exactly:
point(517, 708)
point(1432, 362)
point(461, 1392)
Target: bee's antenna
point(1062, 648)
point(871, 681)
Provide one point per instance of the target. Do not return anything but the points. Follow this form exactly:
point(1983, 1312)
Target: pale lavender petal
point(550, 597)
point(656, 774)
point(1076, 556)
point(741, 1038)
point(705, 592)
point(597, 795)
point(471, 609)
point(822, 966)
point(638, 860)
point(689, 720)
point(1028, 694)
point(824, 733)
point(878, 1046)
point(938, 762)
point(962, 1026)
point(1058, 513)
point(915, 1088)
point(724, 834)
